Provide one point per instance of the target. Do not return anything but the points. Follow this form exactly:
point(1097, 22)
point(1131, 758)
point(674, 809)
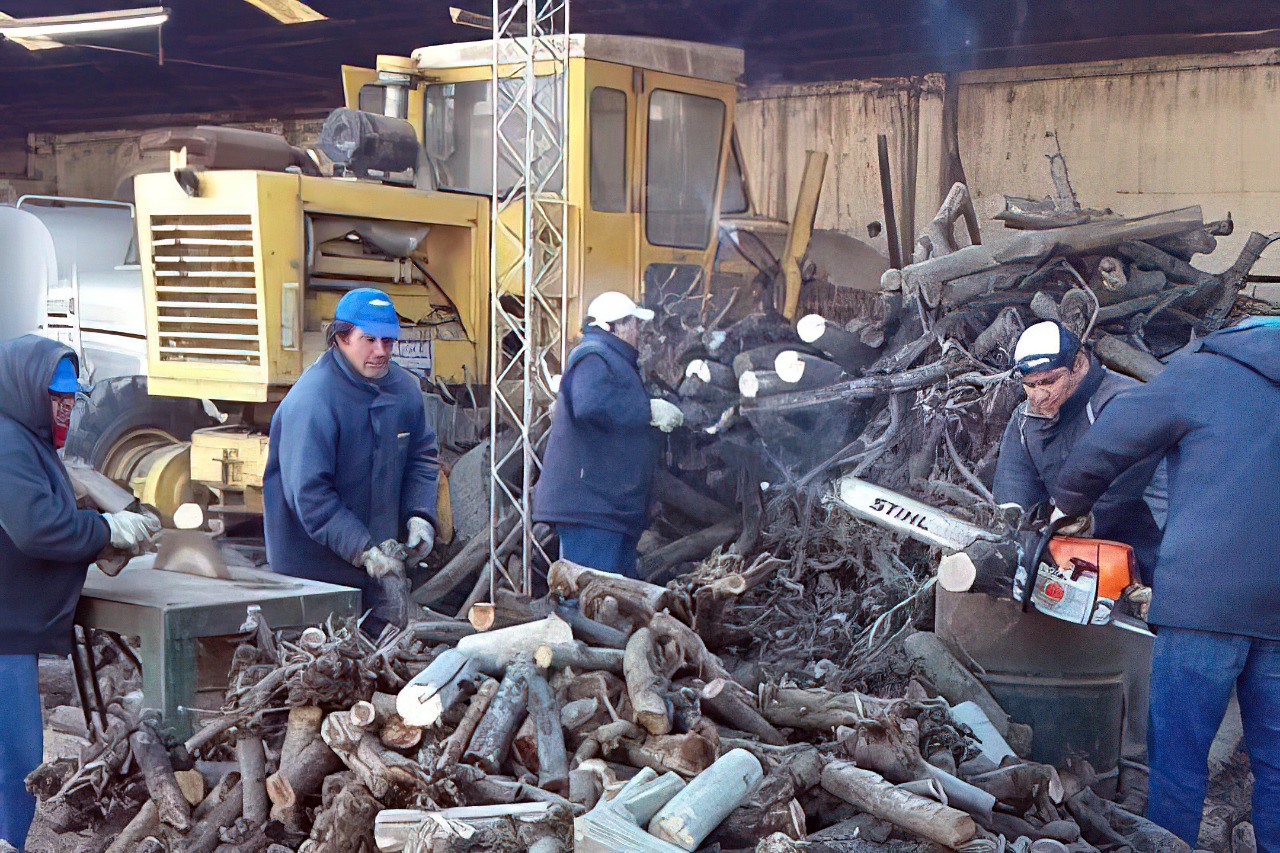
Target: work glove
point(379, 564)
point(133, 533)
point(422, 538)
point(1080, 525)
point(665, 416)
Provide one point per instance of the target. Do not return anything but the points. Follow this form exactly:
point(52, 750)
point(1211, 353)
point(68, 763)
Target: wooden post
point(801, 229)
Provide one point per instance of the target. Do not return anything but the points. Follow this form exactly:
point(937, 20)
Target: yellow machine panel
point(244, 275)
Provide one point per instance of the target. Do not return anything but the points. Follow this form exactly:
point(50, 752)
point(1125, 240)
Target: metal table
point(170, 611)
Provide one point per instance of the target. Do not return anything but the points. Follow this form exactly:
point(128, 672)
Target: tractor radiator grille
point(206, 289)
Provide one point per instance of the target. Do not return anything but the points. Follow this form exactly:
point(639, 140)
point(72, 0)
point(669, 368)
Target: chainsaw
point(1076, 579)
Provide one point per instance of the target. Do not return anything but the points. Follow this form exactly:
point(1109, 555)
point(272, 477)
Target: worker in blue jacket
point(1215, 412)
point(353, 461)
point(46, 545)
point(1067, 390)
point(602, 450)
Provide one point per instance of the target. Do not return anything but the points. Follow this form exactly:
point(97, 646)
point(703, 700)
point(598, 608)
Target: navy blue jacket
point(1216, 413)
point(602, 452)
point(1034, 449)
point(350, 460)
point(46, 543)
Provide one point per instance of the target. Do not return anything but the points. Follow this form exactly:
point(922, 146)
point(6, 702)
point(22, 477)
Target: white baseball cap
point(1045, 346)
point(612, 306)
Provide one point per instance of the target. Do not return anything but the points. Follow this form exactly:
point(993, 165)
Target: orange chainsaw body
point(1117, 569)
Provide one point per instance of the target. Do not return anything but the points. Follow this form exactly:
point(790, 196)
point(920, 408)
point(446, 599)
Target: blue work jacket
point(350, 460)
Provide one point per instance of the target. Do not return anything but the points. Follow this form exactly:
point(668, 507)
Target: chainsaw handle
point(1051, 529)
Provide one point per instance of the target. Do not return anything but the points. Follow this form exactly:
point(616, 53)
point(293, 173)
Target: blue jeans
point(1192, 673)
point(21, 745)
point(598, 549)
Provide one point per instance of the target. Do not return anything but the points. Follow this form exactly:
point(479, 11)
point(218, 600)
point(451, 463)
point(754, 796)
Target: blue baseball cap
point(371, 310)
point(64, 378)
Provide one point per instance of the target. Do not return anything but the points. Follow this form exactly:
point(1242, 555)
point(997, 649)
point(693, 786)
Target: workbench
point(169, 612)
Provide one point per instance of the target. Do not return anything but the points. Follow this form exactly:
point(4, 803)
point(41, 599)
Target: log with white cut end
point(843, 347)
point(732, 704)
point(492, 651)
point(707, 381)
point(804, 372)
point(424, 700)
point(692, 814)
point(926, 818)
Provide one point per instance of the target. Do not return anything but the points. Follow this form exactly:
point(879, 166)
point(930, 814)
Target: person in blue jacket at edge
point(46, 545)
point(353, 461)
point(601, 454)
point(1215, 412)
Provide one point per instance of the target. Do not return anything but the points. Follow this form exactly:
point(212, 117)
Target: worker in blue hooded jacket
point(1215, 415)
point(603, 450)
point(46, 545)
point(353, 461)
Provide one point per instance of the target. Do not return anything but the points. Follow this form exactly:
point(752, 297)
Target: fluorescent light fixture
point(54, 26)
point(31, 43)
point(288, 11)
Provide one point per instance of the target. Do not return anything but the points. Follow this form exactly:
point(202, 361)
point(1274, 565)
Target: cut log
point(457, 742)
point(952, 679)
point(394, 827)
point(346, 825)
point(802, 371)
point(379, 769)
point(172, 807)
point(821, 710)
point(492, 651)
point(687, 754)
point(677, 494)
point(432, 692)
point(553, 762)
point(692, 814)
point(869, 792)
point(1018, 784)
point(634, 598)
point(580, 656)
point(204, 836)
point(770, 807)
point(670, 631)
point(252, 757)
point(841, 346)
point(731, 704)
point(493, 735)
point(1129, 360)
point(647, 684)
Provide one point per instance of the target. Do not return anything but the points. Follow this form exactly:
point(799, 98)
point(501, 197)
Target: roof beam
point(288, 11)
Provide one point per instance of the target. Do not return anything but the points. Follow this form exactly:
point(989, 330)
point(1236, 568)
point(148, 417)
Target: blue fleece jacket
point(1216, 414)
point(350, 460)
point(601, 453)
point(46, 543)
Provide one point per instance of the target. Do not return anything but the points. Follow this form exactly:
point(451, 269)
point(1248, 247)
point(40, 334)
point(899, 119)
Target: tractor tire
point(119, 406)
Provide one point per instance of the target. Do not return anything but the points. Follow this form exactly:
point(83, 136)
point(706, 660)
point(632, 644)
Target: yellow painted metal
point(163, 480)
point(231, 461)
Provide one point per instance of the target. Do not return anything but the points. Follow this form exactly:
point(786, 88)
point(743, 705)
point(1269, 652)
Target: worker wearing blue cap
point(352, 461)
point(46, 545)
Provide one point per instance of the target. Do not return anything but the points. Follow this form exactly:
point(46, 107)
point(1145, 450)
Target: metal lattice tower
point(527, 275)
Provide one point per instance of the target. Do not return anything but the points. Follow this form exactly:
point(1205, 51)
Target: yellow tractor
point(245, 252)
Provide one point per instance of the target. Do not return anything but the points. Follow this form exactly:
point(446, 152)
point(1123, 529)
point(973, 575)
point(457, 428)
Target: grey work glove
point(134, 533)
point(665, 416)
point(422, 538)
point(379, 564)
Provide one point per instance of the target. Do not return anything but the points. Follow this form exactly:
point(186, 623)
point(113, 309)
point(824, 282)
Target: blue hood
point(1255, 343)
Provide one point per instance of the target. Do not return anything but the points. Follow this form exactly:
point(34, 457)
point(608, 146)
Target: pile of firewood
point(594, 718)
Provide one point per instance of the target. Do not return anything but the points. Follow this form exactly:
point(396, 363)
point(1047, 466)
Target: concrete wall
point(101, 165)
point(1138, 136)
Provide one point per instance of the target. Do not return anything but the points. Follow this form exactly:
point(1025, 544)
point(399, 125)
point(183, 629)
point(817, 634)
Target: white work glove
point(1080, 525)
point(422, 538)
point(665, 416)
point(133, 532)
point(379, 563)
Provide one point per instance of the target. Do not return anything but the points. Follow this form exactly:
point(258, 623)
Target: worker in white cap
point(1067, 388)
point(603, 447)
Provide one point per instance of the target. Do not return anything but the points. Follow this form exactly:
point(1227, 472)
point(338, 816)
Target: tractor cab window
point(458, 136)
point(608, 127)
point(683, 165)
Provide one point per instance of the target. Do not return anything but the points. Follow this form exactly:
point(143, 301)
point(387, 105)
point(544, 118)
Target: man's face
point(1047, 390)
point(628, 328)
point(370, 356)
point(60, 406)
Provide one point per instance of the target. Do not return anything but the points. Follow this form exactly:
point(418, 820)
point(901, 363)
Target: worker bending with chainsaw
point(46, 545)
point(603, 449)
point(1067, 389)
point(1215, 603)
point(353, 463)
